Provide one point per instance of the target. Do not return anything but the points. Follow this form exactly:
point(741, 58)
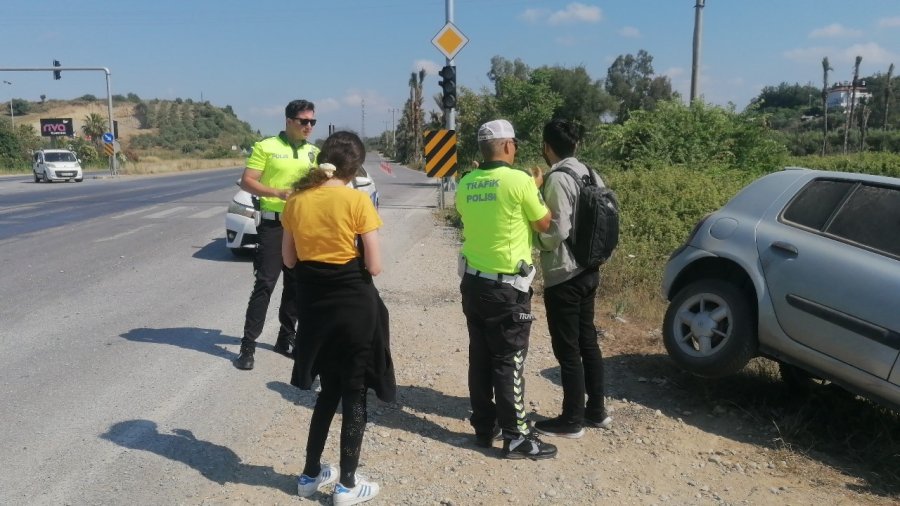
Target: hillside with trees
point(158, 128)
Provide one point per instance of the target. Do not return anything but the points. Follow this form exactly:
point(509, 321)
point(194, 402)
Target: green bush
point(696, 136)
point(883, 164)
point(660, 207)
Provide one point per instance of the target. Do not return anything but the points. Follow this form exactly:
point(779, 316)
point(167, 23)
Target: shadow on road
point(190, 338)
point(217, 251)
point(414, 412)
point(755, 407)
point(215, 462)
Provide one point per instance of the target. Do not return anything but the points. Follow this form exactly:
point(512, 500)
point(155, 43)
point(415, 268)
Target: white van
point(56, 165)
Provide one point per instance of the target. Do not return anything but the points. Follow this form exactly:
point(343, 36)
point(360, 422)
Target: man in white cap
point(500, 206)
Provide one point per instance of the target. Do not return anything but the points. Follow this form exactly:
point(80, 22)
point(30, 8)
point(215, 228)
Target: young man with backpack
point(569, 285)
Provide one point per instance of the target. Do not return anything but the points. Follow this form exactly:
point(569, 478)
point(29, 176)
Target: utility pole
point(362, 132)
point(12, 117)
point(394, 127)
point(698, 34)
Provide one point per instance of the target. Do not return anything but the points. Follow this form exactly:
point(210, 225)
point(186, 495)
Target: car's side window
point(816, 202)
point(870, 217)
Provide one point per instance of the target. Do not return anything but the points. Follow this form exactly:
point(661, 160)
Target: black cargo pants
point(499, 321)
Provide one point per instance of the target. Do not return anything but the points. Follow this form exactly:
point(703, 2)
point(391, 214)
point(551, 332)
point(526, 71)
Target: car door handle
point(785, 246)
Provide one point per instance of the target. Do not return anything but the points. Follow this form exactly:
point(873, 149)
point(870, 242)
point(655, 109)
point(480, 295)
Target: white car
point(240, 219)
point(56, 165)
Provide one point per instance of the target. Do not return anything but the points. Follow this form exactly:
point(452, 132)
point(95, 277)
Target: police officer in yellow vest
point(500, 206)
point(273, 167)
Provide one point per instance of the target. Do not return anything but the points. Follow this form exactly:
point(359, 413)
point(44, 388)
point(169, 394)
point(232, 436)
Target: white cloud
point(326, 105)
point(534, 15)
point(871, 53)
point(808, 54)
point(834, 30)
point(269, 112)
point(629, 32)
point(576, 12)
point(889, 22)
point(431, 68)
point(673, 72)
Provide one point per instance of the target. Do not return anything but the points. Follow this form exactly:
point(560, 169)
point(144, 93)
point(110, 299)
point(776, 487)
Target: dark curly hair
point(344, 150)
point(562, 135)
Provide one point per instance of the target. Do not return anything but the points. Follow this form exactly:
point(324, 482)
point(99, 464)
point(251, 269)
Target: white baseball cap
point(497, 129)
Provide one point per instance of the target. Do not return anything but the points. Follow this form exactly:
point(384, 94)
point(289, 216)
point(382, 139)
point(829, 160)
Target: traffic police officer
point(273, 167)
point(499, 206)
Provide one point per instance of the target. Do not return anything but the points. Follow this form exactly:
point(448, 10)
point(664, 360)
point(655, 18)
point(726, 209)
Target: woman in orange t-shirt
point(343, 325)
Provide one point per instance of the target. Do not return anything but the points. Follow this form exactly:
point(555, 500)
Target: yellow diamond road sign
point(449, 40)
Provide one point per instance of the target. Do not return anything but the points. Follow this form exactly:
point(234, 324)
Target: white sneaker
point(363, 491)
point(307, 485)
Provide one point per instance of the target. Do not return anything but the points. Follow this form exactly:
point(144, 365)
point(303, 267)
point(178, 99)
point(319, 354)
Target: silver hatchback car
point(801, 266)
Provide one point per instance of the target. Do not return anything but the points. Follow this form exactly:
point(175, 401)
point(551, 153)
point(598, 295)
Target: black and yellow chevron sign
point(440, 152)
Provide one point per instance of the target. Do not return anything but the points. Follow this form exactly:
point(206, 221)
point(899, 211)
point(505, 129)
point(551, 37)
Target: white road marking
point(167, 212)
point(136, 211)
point(124, 234)
point(209, 213)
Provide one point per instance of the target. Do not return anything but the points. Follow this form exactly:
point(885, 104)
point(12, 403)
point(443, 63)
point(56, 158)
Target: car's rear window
point(816, 202)
point(871, 217)
point(59, 157)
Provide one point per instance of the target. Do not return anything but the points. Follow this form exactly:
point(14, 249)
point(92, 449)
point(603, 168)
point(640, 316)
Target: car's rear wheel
point(709, 330)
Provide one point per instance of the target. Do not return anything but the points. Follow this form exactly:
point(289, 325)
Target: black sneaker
point(245, 359)
point(284, 345)
point(487, 440)
point(528, 447)
point(559, 427)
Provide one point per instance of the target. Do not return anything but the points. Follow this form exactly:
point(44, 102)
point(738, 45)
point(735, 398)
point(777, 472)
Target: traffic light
point(448, 85)
point(56, 74)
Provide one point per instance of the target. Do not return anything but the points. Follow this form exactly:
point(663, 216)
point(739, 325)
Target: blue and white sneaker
point(363, 491)
point(307, 485)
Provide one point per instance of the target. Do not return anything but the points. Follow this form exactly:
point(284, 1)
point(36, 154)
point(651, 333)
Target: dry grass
point(155, 165)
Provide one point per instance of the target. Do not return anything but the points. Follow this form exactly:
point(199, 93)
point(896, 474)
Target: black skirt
point(343, 328)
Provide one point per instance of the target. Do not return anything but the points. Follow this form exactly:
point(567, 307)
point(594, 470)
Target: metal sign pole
point(449, 114)
point(112, 159)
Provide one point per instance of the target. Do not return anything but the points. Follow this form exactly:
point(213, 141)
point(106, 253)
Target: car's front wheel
point(709, 330)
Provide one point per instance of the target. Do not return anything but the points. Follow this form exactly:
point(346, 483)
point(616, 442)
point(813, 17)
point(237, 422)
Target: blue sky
point(256, 56)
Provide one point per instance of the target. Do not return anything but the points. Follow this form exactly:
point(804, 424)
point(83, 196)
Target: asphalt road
point(121, 311)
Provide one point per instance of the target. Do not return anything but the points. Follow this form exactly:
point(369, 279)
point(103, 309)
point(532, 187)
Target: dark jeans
point(267, 266)
point(499, 321)
point(570, 317)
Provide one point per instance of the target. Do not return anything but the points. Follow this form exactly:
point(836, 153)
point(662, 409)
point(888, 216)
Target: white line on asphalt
point(167, 212)
point(209, 213)
point(136, 211)
point(124, 234)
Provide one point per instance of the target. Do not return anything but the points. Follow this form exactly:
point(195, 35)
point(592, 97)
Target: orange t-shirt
point(326, 220)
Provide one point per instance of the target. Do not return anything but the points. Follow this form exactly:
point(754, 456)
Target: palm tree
point(888, 94)
point(94, 127)
point(416, 114)
point(863, 123)
point(825, 68)
point(852, 101)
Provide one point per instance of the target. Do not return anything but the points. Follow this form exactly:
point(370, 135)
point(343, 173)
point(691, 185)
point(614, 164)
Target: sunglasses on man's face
point(304, 121)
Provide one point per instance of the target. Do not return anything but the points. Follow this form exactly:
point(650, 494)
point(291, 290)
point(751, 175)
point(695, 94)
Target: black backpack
point(595, 232)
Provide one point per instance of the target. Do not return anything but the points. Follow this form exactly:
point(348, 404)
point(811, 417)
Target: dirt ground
point(673, 441)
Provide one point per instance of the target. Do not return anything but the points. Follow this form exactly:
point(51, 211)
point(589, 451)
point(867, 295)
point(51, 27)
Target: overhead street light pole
point(698, 35)
point(113, 168)
point(12, 117)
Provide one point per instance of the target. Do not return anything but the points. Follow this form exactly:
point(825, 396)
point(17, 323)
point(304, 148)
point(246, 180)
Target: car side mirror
point(360, 181)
